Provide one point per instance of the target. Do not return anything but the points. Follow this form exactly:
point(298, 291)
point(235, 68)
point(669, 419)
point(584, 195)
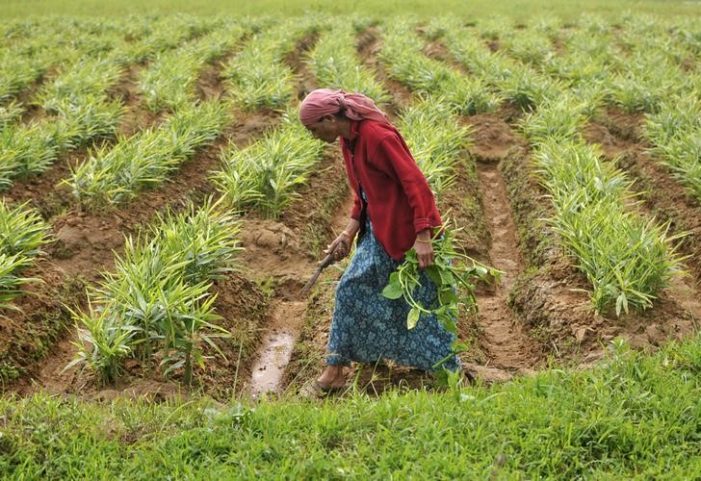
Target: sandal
point(315, 389)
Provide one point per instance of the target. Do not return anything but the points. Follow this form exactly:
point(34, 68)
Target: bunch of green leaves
point(454, 275)
point(104, 342)
point(18, 71)
point(508, 79)
point(675, 132)
point(265, 174)
point(335, 64)
point(528, 46)
point(90, 77)
point(157, 299)
point(159, 35)
point(22, 234)
point(114, 175)
point(561, 118)
point(9, 114)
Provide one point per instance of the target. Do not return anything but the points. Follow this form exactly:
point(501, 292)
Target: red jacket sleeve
point(393, 157)
point(357, 207)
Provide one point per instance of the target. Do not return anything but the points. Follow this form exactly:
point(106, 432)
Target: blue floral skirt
point(367, 327)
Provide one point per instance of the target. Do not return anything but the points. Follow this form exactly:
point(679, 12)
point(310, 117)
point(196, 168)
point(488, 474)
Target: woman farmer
point(394, 211)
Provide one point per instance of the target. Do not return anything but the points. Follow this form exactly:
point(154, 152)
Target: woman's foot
point(332, 377)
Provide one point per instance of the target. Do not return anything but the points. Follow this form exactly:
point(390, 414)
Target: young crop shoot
point(22, 235)
point(335, 64)
point(157, 303)
point(264, 175)
point(115, 175)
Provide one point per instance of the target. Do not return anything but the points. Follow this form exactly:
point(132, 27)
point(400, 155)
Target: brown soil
point(437, 51)
point(507, 345)
point(320, 199)
point(278, 257)
point(492, 138)
point(136, 116)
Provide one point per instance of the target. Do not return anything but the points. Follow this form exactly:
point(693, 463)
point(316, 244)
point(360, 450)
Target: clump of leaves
point(454, 274)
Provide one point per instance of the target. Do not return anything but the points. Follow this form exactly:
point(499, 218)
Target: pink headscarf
point(322, 102)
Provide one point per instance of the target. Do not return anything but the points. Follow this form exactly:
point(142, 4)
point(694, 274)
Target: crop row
point(22, 234)
point(265, 174)
point(80, 107)
point(170, 80)
point(115, 174)
point(402, 53)
point(645, 75)
point(158, 300)
point(257, 77)
point(335, 64)
point(626, 258)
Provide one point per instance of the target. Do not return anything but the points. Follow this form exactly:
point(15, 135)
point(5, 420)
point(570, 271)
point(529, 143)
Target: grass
point(634, 418)
point(518, 9)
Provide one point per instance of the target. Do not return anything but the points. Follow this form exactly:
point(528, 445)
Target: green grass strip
point(634, 417)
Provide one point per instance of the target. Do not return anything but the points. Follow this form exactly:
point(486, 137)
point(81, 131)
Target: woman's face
point(325, 129)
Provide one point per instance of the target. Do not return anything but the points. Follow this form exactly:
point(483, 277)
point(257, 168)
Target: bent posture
point(394, 211)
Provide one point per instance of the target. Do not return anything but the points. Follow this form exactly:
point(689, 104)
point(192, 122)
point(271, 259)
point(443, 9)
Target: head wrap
point(321, 102)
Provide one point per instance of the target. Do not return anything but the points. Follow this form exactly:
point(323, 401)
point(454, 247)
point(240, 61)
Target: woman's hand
point(424, 249)
point(342, 244)
point(340, 247)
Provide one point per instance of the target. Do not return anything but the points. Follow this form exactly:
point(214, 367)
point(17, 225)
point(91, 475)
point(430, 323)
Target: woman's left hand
point(424, 249)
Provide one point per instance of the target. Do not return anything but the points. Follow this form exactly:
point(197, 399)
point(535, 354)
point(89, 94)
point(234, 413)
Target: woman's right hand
point(340, 247)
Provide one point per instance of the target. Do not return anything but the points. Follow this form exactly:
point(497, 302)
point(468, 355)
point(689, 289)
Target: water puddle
point(276, 348)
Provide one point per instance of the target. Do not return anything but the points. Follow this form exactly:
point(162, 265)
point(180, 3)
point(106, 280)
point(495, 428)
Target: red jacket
point(400, 202)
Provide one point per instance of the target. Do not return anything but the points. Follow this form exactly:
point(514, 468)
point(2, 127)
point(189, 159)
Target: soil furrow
point(503, 337)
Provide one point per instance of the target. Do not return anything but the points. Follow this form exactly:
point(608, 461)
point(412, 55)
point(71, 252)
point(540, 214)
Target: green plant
point(453, 273)
point(335, 63)
point(157, 299)
point(264, 175)
point(22, 234)
point(114, 175)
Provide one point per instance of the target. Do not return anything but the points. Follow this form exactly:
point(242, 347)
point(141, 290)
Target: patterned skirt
point(367, 327)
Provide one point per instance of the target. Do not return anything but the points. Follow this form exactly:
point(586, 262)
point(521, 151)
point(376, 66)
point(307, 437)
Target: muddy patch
point(283, 327)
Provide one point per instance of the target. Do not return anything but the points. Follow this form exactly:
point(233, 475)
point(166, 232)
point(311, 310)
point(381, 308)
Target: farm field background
point(162, 208)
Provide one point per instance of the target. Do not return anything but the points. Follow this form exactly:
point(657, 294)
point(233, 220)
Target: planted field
point(163, 206)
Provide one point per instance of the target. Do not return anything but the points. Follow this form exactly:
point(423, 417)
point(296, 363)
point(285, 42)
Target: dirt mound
point(491, 137)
